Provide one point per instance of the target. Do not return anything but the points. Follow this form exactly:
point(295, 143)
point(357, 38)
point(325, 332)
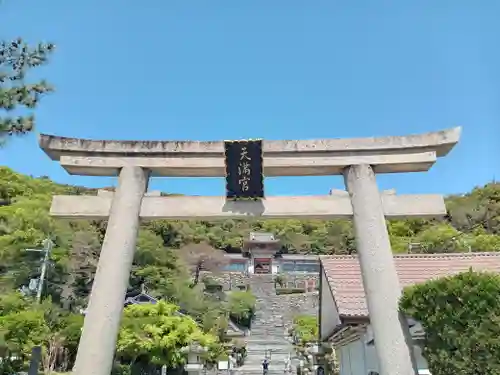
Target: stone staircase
point(267, 334)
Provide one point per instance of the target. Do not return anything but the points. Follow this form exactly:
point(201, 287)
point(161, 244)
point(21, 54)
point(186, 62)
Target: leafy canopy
point(242, 306)
point(305, 328)
point(25, 324)
point(461, 318)
point(159, 333)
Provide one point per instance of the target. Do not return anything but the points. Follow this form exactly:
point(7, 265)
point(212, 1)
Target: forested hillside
point(473, 223)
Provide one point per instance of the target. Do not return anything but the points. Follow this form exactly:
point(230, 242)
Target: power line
point(47, 247)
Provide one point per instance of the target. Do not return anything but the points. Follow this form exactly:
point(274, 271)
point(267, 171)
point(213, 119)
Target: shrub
point(305, 328)
point(280, 281)
point(289, 291)
point(461, 318)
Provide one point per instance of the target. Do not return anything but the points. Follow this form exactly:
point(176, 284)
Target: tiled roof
point(344, 274)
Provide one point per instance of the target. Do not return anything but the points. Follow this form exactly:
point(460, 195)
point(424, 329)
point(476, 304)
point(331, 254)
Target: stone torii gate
point(358, 160)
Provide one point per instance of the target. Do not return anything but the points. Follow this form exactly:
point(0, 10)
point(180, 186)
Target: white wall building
point(343, 315)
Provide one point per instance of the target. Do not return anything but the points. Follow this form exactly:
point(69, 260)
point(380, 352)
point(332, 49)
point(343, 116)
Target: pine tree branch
point(16, 59)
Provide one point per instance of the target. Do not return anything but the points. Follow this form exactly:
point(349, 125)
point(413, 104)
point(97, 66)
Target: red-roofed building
point(344, 319)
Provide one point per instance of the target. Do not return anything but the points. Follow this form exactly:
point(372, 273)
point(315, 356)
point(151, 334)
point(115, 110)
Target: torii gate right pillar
point(380, 279)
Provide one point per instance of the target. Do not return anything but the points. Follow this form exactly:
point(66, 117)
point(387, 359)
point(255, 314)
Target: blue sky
point(211, 70)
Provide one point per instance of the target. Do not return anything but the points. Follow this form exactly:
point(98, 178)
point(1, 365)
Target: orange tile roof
point(344, 274)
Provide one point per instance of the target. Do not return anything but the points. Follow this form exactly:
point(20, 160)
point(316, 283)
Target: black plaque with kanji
point(244, 169)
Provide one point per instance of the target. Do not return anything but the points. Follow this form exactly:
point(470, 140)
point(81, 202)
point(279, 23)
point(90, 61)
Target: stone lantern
point(309, 359)
point(194, 365)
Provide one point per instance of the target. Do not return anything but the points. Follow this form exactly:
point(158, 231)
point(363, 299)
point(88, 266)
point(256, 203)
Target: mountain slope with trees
point(473, 223)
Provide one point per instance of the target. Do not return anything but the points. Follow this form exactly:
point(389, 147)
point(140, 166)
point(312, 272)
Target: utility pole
point(47, 247)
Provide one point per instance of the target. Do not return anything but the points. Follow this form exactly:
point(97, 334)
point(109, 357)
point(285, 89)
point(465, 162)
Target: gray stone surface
point(56, 146)
point(380, 279)
point(273, 318)
point(268, 329)
point(299, 304)
point(229, 280)
point(281, 158)
point(218, 208)
point(97, 344)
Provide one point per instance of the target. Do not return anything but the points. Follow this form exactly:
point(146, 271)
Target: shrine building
point(262, 254)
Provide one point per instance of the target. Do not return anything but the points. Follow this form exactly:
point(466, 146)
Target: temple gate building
point(262, 254)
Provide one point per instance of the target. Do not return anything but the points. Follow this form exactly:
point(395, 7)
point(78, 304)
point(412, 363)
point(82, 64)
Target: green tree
point(16, 59)
point(25, 324)
point(158, 333)
point(241, 307)
point(461, 318)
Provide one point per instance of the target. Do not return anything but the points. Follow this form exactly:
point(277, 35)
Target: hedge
point(461, 318)
point(289, 290)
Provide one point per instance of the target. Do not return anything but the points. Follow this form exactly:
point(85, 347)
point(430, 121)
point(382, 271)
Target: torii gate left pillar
point(104, 311)
point(357, 159)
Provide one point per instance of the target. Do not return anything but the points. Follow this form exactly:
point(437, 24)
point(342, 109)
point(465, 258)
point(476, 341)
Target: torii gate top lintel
point(412, 153)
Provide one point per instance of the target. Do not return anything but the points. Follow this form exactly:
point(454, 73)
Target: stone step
point(259, 349)
point(269, 330)
point(283, 347)
point(261, 331)
point(260, 354)
point(275, 364)
point(268, 335)
point(258, 357)
point(257, 369)
point(278, 359)
point(268, 343)
point(242, 371)
point(265, 344)
point(272, 342)
point(262, 346)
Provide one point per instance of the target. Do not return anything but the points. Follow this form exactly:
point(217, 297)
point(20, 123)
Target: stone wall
point(301, 280)
point(228, 280)
point(299, 304)
point(231, 280)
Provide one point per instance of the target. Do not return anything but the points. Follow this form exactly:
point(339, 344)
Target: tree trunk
point(197, 274)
